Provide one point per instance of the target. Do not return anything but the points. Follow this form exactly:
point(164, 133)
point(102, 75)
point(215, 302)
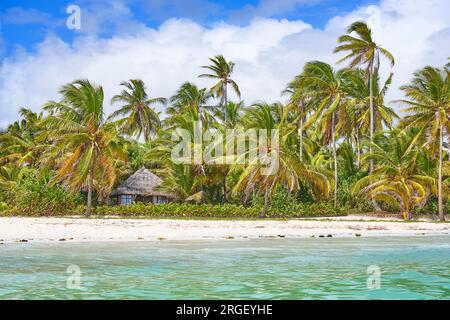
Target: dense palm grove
point(340, 142)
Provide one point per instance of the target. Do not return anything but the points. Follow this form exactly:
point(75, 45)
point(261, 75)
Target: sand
point(21, 229)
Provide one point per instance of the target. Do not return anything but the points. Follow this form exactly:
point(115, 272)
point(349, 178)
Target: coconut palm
point(363, 51)
point(290, 172)
point(140, 118)
point(19, 143)
point(397, 180)
point(328, 88)
point(189, 96)
point(83, 145)
point(359, 92)
point(428, 101)
point(221, 70)
point(300, 102)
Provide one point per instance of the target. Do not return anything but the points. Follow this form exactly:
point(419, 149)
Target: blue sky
point(25, 23)
point(164, 43)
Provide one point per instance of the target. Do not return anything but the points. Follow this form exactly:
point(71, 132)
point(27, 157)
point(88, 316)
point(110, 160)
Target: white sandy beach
point(20, 229)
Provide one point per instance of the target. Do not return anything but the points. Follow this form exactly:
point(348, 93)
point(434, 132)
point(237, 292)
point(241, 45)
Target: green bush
point(3, 206)
point(183, 210)
point(33, 196)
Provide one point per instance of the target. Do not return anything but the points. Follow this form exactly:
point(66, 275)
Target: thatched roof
point(142, 183)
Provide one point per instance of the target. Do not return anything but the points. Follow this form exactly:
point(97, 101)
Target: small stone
point(161, 238)
point(313, 236)
point(321, 236)
point(229, 237)
point(358, 234)
point(23, 240)
point(281, 236)
point(62, 239)
point(140, 238)
point(329, 235)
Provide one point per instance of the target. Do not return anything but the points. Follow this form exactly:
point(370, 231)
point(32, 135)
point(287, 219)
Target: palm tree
point(363, 51)
point(359, 92)
point(397, 180)
point(140, 118)
point(189, 96)
point(291, 172)
point(84, 145)
point(20, 143)
point(329, 95)
point(299, 100)
point(428, 101)
point(221, 70)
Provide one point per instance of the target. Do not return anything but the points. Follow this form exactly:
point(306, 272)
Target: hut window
point(126, 199)
point(160, 199)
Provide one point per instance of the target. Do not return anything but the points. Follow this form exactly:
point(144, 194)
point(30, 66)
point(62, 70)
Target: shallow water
point(328, 268)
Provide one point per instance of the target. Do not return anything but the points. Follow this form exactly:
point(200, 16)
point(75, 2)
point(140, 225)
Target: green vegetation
point(342, 148)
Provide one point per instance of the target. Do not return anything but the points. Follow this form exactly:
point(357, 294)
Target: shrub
point(184, 210)
point(32, 196)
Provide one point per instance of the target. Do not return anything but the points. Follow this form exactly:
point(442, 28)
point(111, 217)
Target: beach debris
point(22, 240)
point(62, 239)
point(329, 235)
point(321, 236)
point(358, 234)
point(140, 238)
point(281, 236)
point(229, 237)
point(161, 238)
point(313, 236)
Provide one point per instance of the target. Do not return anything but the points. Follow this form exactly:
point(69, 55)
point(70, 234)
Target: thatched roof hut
point(141, 186)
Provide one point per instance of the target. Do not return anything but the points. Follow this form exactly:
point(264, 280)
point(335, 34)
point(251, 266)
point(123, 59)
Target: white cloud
point(268, 53)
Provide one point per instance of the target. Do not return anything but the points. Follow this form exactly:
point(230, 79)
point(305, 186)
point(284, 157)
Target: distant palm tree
point(140, 118)
point(84, 146)
point(329, 95)
point(291, 172)
point(300, 101)
point(221, 70)
point(428, 101)
point(397, 180)
point(19, 143)
point(359, 92)
point(363, 51)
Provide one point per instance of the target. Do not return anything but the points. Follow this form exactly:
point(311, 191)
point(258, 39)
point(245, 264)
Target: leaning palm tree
point(428, 101)
point(221, 70)
point(363, 51)
point(140, 118)
point(397, 180)
point(84, 147)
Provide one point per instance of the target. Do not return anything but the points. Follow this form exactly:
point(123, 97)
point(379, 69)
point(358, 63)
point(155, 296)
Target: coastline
point(75, 229)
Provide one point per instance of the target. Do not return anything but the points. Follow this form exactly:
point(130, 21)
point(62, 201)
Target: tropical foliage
point(335, 144)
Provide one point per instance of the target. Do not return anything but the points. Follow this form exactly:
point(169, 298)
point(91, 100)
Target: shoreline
point(74, 229)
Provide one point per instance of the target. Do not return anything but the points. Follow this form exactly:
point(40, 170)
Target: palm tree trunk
point(301, 136)
point(225, 98)
point(333, 138)
point(371, 114)
point(266, 201)
point(441, 205)
point(90, 186)
point(358, 150)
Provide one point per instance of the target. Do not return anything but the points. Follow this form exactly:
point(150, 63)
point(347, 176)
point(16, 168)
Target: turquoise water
point(328, 268)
